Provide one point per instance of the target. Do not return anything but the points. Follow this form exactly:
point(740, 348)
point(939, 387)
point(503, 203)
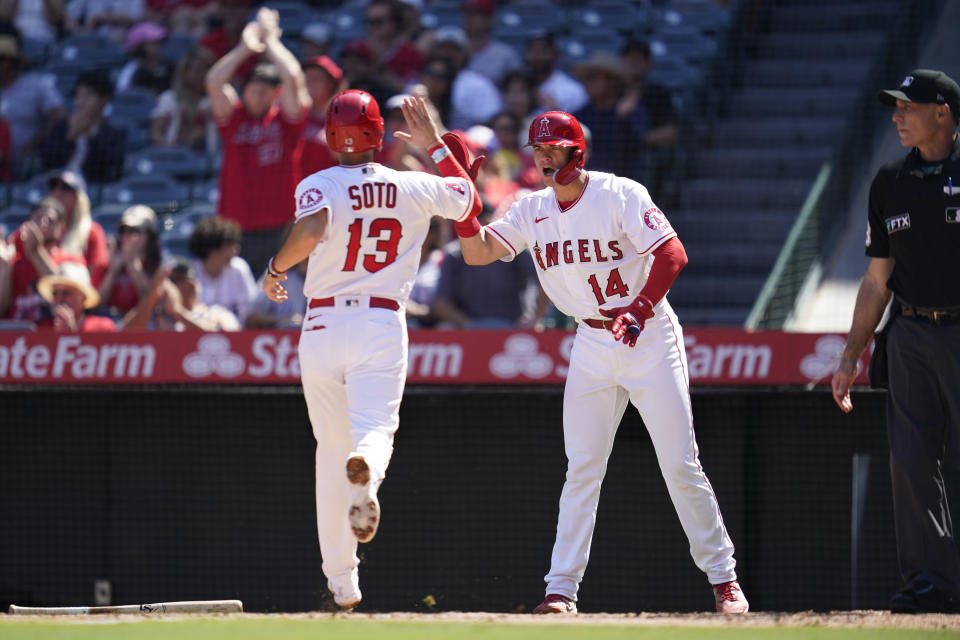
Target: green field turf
point(341, 629)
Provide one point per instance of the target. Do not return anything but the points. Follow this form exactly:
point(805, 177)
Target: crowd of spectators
point(252, 101)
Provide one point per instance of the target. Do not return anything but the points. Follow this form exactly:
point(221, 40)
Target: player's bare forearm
point(481, 248)
point(303, 238)
point(872, 299)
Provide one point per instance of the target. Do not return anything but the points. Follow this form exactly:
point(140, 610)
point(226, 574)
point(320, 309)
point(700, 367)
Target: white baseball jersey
point(377, 217)
point(596, 253)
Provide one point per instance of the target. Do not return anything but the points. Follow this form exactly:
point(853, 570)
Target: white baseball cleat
point(556, 603)
point(730, 598)
point(347, 596)
point(364, 514)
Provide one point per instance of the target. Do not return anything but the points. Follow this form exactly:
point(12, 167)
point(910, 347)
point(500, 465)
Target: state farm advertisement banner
point(714, 356)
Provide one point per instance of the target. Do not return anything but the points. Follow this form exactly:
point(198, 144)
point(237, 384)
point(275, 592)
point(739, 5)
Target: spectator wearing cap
point(182, 115)
point(148, 68)
point(85, 142)
point(40, 254)
point(487, 56)
point(134, 258)
point(30, 101)
point(111, 18)
point(70, 294)
point(324, 79)
point(83, 235)
point(395, 59)
point(474, 98)
point(262, 136)
point(315, 40)
point(556, 89)
point(224, 277)
point(617, 136)
point(172, 303)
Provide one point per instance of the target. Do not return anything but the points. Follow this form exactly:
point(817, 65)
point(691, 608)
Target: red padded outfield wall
point(714, 356)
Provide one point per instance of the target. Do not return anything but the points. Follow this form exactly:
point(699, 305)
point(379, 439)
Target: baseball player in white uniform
point(606, 255)
point(362, 226)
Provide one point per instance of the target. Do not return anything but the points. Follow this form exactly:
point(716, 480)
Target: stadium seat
point(138, 137)
point(158, 191)
point(133, 106)
point(64, 75)
point(179, 162)
point(442, 14)
point(35, 51)
point(177, 45)
point(293, 15)
point(615, 15)
point(683, 42)
point(530, 17)
point(107, 216)
point(579, 46)
point(206, 193)
point(703, 15)
point(30, 192)
point(12, 217)
point(89, 50)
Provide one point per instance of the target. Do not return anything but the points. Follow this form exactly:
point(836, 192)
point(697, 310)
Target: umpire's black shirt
point(915, 219)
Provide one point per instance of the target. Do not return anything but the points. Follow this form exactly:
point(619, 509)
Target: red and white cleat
point(730, 598)
point(556, 603)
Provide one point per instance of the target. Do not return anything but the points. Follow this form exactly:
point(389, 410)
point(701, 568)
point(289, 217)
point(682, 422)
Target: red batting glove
point(628, 321)
point(459, 150)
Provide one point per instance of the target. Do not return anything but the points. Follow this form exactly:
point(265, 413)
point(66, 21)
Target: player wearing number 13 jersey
point(606, 255)
point(362, 226)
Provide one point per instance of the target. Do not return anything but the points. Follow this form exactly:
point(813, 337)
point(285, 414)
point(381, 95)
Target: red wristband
point(468, 228)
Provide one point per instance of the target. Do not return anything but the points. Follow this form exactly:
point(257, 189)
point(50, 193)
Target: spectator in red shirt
point(134, 258)
point(262, 137)
point(83, 236)
point(70, 294)
point(39, 255)
point(324, 79)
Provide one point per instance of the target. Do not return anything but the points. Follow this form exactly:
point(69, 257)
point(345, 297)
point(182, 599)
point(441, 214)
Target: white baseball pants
point(353, 364)
point(603, 376)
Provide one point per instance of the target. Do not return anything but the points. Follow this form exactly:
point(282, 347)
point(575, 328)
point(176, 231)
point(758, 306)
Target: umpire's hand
point(842, 380)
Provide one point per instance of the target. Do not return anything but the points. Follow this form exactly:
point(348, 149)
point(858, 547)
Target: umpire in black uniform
point(913, 241)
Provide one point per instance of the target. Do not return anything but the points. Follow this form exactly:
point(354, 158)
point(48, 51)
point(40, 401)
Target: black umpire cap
point(926, 85)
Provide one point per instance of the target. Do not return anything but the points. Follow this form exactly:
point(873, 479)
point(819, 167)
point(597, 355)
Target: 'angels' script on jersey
point(585, 251)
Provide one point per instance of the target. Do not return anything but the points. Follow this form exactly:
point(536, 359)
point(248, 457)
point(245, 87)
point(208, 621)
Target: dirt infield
point(853, 619)
point(761, 619)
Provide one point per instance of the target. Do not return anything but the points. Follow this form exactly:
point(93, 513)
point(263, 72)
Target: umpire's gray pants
point(923, 417)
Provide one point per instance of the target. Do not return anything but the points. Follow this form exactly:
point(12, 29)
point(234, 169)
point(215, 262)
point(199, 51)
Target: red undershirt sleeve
point(668, 259)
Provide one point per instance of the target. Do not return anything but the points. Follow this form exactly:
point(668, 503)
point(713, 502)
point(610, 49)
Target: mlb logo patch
point(897, 223)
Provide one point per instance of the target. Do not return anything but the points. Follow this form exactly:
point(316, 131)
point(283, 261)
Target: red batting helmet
point(354, 124)
point(561, 129)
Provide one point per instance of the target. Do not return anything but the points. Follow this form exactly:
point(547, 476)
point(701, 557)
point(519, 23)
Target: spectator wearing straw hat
point(617, 136)
point(70, 295)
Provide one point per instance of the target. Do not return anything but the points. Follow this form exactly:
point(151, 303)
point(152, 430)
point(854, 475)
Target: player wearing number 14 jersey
point(362, 226)
point(606, 255)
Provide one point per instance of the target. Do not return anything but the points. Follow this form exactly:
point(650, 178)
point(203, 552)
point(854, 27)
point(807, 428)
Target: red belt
point(377, 303)
point(598, 324)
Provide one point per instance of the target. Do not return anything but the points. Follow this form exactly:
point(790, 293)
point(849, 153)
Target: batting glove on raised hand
point(628, 321)
point(459, 150)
